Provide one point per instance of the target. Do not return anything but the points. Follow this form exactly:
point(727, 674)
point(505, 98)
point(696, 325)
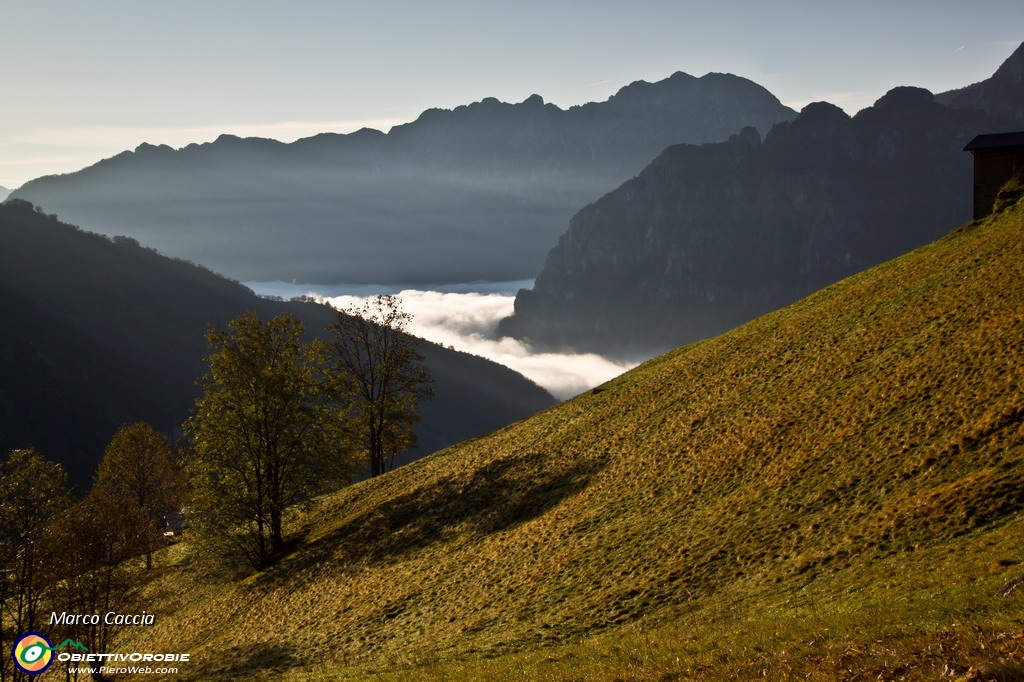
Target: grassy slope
point(832, 490)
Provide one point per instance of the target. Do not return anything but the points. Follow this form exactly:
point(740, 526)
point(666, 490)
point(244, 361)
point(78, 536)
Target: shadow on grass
point(258, 661)
point(501, 495)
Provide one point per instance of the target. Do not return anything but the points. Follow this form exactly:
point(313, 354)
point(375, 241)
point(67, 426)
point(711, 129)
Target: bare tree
point(378, 363)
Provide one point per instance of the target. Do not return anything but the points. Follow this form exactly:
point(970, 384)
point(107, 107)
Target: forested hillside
point(101, 333)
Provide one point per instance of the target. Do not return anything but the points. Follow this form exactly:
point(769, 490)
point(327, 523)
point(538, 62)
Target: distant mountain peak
point(227, 138)
point(367, 133)
point(818, 111)
point(677, 78)
point(1000, 95)
point(1013, 68)
point(904, 97)
point(680, 81)
point(147, 148)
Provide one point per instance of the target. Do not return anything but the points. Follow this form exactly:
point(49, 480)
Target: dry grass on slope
point(874, 424)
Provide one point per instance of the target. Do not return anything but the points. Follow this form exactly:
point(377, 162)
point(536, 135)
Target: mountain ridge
point(473, 193)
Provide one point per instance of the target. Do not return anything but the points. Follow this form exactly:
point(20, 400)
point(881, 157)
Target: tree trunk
point(276, 536)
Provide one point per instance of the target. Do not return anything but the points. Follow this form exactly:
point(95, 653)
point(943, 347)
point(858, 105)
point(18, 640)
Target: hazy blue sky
point(85, 80)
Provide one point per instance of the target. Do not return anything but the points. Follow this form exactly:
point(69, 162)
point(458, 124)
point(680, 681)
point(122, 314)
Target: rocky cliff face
point(478, 192)
point(709, 236)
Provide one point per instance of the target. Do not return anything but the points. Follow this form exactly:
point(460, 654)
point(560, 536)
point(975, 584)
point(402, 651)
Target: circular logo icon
point(32, 653)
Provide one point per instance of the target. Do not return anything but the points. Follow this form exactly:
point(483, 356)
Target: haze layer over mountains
point(480, 192)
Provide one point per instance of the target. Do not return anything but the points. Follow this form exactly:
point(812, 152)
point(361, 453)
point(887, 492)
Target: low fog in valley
point(465, 317)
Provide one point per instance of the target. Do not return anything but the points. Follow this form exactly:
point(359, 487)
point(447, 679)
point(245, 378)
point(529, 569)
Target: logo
point(32, 652)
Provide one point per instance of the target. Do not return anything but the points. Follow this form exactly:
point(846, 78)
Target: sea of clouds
point(465, 317)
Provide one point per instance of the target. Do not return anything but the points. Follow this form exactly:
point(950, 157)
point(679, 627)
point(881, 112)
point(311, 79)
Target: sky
point(83, 81)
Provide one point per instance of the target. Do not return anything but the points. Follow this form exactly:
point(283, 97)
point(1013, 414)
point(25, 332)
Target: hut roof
point(996, 140)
